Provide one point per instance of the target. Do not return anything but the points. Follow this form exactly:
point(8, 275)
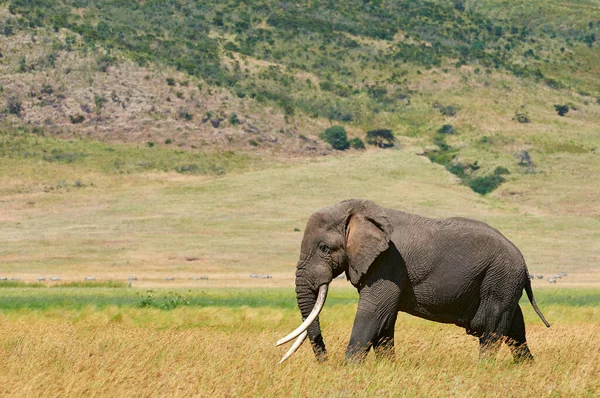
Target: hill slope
point(171, 119)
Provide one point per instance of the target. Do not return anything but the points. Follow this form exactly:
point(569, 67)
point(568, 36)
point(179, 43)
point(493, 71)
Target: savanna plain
point(215, 336)
point(155, 155)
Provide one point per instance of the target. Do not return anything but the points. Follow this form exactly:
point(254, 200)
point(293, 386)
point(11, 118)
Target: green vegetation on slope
point(87, 155)
point(402, 66)
point(360, 52)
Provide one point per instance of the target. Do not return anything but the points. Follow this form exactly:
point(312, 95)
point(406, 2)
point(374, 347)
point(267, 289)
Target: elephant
point(452, 270)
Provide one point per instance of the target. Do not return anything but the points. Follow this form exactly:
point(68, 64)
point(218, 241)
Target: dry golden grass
point(217, 351)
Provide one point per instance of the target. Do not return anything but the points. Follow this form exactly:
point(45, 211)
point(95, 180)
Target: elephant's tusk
point(310, 318)
point(295, 346)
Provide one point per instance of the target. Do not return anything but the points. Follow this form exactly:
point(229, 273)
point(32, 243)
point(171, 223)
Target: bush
point(13, 105)
point(170, 81)
point(501, 171)
point(484, 185)
point(357, 143)
point(447, 129)
point(22, 65)
point(336, 137)
point(522, 117)
point(185, 114)
point(234, 120)
point(446, 110)
point(383, 138)
point(99, 101)
point(47, 89)
point(561, 109)
point(440, 141)
point(76, 119)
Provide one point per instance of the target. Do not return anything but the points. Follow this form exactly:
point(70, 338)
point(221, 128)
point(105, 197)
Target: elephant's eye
point(324, 248)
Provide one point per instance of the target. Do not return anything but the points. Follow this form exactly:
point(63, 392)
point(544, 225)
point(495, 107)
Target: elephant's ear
point(368, 233)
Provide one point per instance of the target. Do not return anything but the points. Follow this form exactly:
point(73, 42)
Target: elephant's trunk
point(310, 303)
point(306, 295)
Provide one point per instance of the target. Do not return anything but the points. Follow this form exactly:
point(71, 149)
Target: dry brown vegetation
point(219, 351)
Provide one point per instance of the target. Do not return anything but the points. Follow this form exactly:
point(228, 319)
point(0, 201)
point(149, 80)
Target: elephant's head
point(347, 237)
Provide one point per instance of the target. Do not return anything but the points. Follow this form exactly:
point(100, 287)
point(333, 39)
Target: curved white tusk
point(309, 319)
point(295, 346)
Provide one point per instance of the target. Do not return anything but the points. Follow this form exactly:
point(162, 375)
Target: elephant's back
point(450, 248)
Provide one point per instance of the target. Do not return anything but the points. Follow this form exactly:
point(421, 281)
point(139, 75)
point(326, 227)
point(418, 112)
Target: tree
point(561, 109)
point(337, 137)
point(383, 138)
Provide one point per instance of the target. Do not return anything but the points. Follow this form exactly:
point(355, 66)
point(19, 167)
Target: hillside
point(134, 135)
point(274, 75)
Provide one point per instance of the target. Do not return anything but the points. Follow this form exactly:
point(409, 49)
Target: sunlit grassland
point(99, 342)
point(83, 217)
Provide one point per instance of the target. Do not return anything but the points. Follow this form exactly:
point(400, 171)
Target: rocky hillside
point(271, 76)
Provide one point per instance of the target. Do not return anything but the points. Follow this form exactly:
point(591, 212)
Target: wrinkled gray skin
point(453, 270)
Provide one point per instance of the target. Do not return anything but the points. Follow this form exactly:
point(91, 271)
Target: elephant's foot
point(385, 350)
point(320, 351)
point(489, 345)
point(355, 354)
point(521, 353)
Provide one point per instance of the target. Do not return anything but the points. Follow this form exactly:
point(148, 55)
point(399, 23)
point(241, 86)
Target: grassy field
point(107, 342)
point(68, 211)
point(240, 214)
point(174, 140)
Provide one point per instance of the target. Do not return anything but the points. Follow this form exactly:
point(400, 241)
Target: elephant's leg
point(384, 344)
point(375, 317)
point(516, 338)
point(489, 344)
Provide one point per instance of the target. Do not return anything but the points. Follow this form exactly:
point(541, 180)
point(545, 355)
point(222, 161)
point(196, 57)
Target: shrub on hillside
point(440, 141)
point(185, 114)
point(337, 137)
point(501, 171)
point(561, 109)
point(521, 116)
point(47, 89)
point(357, 143)
point(446, 110)
point(383, 138)
point(76, 119)
point(447, 129)
point(99, 101)
point(234, 119)
point(14, 105)
point(484, 185)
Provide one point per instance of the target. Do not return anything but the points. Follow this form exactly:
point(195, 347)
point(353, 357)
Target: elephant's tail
point(533, 303)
